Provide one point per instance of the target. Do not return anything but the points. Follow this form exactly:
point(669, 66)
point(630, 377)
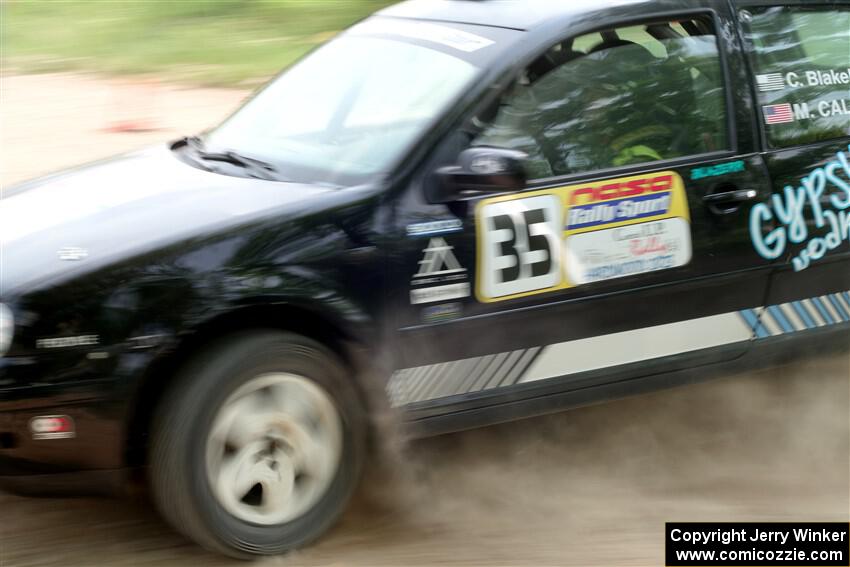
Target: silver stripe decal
point(792, 317)
point(770, 324)
point(495, 368)
point(503, 369)
point(439, 382)
point(500, 373)
point(813, 312)
point(430, 380)
point(518, 371)
point(843, 301)
point(638, 345)
point(836, 316)
point(417, 379)
point(480, 369)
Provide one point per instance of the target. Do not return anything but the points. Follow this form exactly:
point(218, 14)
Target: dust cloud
point(591, 486)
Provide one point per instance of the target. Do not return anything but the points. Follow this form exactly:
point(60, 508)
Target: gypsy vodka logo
point(793, 211)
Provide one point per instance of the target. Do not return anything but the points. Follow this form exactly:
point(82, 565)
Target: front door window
point(623, 96)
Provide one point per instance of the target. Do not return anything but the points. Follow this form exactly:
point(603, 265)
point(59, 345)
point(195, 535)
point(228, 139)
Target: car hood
point(95, 214)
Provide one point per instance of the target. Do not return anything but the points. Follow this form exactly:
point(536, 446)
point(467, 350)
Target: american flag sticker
point(777, 113)
point(770, 82)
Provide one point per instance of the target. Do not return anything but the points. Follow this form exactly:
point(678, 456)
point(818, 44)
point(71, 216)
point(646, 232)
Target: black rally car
point(481, 210)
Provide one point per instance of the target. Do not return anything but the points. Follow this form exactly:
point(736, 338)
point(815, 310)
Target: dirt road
point(50, 122)
point(589, 487)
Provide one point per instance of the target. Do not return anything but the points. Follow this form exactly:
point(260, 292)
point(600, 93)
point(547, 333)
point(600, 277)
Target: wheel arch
point(154, 383)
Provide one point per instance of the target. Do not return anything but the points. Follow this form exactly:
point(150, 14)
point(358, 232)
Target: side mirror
point(479, 171)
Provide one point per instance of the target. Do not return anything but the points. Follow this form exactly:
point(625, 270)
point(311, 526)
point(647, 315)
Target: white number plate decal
point(520, 245)
point(573, 235)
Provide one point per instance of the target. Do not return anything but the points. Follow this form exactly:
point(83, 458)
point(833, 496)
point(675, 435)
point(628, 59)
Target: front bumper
point(88, 460)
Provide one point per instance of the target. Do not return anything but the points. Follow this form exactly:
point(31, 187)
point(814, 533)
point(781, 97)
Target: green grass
point(209, 42)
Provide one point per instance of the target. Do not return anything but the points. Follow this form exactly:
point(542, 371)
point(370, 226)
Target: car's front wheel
point(259, 445)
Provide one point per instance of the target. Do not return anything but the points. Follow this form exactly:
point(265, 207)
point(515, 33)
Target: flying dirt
point(592, 486)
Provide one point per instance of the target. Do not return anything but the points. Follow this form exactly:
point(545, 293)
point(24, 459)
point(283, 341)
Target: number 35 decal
point(520, 249)
point(577, 234)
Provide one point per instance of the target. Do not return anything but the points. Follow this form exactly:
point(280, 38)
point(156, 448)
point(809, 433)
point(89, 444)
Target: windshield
point(351, 108)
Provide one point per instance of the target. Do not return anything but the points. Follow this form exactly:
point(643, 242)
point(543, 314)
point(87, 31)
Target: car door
point(800, 57)
point(627, 253)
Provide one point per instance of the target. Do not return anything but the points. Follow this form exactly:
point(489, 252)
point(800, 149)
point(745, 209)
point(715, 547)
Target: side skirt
point(572, 391)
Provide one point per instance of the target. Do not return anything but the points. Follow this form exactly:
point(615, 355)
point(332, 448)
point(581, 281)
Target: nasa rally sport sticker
point(567, 236)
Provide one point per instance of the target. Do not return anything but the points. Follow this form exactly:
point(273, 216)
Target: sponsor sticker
point(67, 342)
point(567, 236)
point(719, 169)
point(438, 260)
point(440, 313)
point(439, 293)
point(809, 220)
point(438, 265)
point(635, 249)
point(600, 213)
point(432, 228)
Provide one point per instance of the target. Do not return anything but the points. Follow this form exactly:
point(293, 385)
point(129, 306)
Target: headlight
point(7, 326)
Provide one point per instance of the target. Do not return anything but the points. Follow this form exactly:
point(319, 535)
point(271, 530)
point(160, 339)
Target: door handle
point(728, 197)
point(726, 202)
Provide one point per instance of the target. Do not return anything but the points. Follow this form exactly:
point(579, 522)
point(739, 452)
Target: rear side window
point(801, 58)
point(617, 97)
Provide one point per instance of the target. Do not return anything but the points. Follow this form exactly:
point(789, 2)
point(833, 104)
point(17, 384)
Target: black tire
point(180, 485)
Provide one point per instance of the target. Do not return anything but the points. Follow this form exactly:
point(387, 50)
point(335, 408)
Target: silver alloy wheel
point(274, 448)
